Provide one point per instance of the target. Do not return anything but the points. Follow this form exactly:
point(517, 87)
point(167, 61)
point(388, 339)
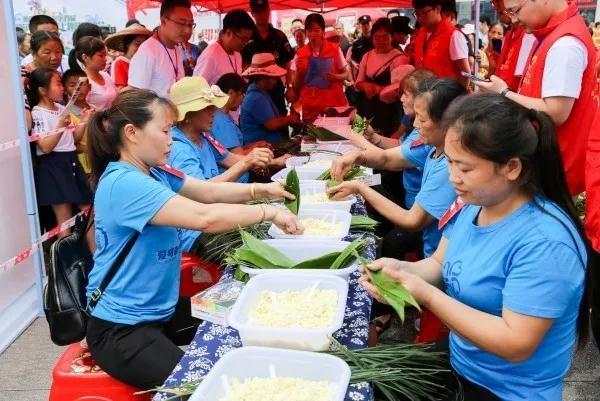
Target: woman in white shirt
point(374, 74)
point(91, 54)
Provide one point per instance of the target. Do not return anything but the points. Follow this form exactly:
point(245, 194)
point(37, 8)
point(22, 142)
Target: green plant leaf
point(321, 262)
point(347, 252)
point(292, 185)
point(267, 252)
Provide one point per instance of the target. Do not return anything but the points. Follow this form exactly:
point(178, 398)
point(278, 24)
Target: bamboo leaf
point(349, 251)
point(265, 251)
point(292, 185)
point(321, 262)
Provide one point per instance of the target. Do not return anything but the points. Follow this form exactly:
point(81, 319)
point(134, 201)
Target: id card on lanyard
point(174, 64)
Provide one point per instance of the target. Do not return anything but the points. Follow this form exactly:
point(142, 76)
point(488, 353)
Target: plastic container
point(301, 250)
point(317, 187)
point(304, 174)
point(332, 216)
point(284, 337)
point(249, 362)
point(300, 161)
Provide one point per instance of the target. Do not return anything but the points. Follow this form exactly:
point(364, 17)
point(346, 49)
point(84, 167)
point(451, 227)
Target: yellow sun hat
point(191, 94)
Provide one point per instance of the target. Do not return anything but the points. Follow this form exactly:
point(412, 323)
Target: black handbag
point(65, 303)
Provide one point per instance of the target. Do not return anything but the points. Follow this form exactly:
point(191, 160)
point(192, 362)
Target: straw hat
point(390, 94)
point(264, 64)
point(194, 94)
point(115, 41)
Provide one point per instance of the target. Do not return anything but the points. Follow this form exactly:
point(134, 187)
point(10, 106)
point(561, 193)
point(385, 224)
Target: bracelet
point(253, 191)
point(264, 212)
point(504, 91)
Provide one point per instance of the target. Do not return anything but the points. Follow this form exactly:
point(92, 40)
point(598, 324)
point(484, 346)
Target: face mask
point(497, 45)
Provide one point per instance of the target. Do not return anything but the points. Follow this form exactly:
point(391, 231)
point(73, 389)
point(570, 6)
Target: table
point(212, 341)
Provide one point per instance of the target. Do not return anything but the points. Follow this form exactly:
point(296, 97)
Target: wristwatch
point(505, 91)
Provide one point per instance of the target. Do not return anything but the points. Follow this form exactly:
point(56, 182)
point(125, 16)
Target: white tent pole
point(476, 44)
point(31, 203)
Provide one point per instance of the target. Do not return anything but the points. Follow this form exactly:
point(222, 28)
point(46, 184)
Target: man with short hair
point(267, 39)
point(438, 45)
point(363, 44)
point(485, 23)
point(401, 31)
point(223, 56)
point(158, 63)
point(43, 22)
point(559, 78)
point(344, 42)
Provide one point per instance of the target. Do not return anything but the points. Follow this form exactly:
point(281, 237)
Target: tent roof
point(223, 6)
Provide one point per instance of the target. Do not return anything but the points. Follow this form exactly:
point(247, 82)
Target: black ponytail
point(498, 129)
point(105, 128)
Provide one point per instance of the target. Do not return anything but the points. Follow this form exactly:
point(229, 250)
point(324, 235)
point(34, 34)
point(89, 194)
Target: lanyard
point(231, 63)
point(175, 64)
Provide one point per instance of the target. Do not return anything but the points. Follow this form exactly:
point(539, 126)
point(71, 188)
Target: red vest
point(434, 53)
point(510, 57)
point(316, 100)
point(572, 134)
point(592, 173)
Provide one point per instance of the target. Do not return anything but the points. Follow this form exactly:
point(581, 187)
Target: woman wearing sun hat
point(260, 119)
point(127, 42)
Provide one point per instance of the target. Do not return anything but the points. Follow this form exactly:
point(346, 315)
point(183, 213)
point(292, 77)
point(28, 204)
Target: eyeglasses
point(184, 24)
point(514, 11)
point(421, 13)
point(243, 39)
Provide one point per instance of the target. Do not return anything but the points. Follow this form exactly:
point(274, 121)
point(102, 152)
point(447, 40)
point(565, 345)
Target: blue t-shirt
point(146, 286)
point(412, 177)
point(258, 108)
point(435, 197)
point(199, 161)
point(533, 263)
point(226, 131)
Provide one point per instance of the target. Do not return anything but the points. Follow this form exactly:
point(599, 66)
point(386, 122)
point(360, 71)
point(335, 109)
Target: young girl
point(512, 261)
point(91, 53)
point(126, 42)
point(60, 179)
point(435, 194)
point(70, 79)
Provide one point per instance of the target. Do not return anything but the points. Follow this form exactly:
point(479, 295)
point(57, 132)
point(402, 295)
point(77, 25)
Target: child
point(69, 82)
point(59, 177)
point(91, 54)
point(127, 43)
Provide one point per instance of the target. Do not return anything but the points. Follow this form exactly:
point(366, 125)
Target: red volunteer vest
point(592, 172)
point(572, 135)
point(434, 53)
point(510, 57)
point(316, 100)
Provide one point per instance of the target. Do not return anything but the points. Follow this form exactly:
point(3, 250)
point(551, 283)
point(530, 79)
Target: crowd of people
point(485, 145)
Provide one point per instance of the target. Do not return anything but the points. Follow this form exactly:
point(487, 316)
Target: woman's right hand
point(286, 221)
point(343, 164)
point(379, 264)
point(258, 158)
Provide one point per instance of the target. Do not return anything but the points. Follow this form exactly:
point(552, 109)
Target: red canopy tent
point(223, 6)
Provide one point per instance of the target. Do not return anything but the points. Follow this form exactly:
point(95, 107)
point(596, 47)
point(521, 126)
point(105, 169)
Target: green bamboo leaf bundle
point(363, 223)
point(323, 134)
point(360, 124)
point(292, 185)
point(392, 291)
point(353, 173)
point(259, 255)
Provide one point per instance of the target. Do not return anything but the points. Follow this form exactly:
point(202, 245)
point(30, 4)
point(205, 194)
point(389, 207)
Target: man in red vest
point(515, 49)
point(438, 45)
point(559, 77)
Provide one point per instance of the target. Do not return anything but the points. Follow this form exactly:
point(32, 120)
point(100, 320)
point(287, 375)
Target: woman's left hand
point(345, 189)
point(273, 190)
point(494, 85)
point(419, 288)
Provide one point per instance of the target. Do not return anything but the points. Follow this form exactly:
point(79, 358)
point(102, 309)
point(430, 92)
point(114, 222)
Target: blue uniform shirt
point(533, 263)
point(225, 130)
point(146, 286)
point(435, 197)
point(258, 108)
point(412, 177)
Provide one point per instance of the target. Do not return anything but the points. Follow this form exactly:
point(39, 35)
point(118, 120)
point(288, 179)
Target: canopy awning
point(223, 6)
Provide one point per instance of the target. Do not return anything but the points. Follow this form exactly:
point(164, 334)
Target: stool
point(431, 328)
point(76, 377)
point(196, 275)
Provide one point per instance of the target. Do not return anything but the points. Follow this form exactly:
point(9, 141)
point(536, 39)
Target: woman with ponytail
point(509, 276)
point(139, 320)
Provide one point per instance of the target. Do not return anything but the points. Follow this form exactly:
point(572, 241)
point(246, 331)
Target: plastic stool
point(431, 328)
point(196, 275)
point(76, 377)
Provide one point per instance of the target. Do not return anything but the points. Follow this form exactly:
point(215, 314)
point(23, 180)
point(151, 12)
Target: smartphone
point(473, 77)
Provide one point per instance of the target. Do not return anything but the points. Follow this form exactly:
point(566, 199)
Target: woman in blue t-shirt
point(513, 259)
point(134, 329)
point(435, 194)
